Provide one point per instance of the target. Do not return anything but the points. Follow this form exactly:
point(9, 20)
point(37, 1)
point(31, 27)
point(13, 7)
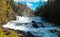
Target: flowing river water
point(44, 29)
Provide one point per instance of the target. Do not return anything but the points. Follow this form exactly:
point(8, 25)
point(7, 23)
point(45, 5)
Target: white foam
point(39, 32)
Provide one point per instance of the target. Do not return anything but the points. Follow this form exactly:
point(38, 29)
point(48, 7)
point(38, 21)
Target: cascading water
point(44, 29)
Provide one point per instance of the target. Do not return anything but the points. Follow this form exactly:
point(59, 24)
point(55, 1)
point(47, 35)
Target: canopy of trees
point(50, 11)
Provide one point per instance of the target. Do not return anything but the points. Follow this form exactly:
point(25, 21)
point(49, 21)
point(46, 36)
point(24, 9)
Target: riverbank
point(8, 33)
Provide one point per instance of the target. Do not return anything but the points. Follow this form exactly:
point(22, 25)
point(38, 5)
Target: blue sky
point(32, 3)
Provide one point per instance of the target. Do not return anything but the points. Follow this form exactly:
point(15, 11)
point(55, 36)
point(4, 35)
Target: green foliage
point(11, 34)
point(9, 10)
point(50, 11)
point(6, 12)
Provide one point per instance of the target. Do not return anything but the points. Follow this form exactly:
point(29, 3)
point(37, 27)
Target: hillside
point(50, 12)
point(9, 9)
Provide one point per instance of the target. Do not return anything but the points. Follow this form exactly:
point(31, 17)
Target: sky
point(32, 4)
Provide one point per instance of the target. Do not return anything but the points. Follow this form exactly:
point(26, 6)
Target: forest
point(50, 12)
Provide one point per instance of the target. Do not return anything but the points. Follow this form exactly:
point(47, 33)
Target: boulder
point(25, 34)
point(29, 34)
point(21, 34)
point(34, 24)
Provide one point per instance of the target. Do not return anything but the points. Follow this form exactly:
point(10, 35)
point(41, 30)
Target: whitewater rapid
point(47, 31)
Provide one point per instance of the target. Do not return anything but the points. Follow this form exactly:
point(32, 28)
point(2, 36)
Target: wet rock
point(53, 31)
point(34, 24)
point(30, 34)
point(42, 25)
point(25, 34)
point(21, 34)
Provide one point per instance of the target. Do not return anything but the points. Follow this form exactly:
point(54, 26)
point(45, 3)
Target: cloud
point(45, 0)
point(29, 4)
point(26, 0)
point(35, 0)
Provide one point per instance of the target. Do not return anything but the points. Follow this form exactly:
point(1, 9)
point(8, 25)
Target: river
point(44, 29)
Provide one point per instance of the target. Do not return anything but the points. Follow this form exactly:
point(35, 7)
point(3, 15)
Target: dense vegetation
point(9, 9)
point(50, 11)
point(9, 33)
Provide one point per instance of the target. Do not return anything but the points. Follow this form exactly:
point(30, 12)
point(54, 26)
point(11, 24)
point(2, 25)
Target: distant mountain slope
point(9, 9)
